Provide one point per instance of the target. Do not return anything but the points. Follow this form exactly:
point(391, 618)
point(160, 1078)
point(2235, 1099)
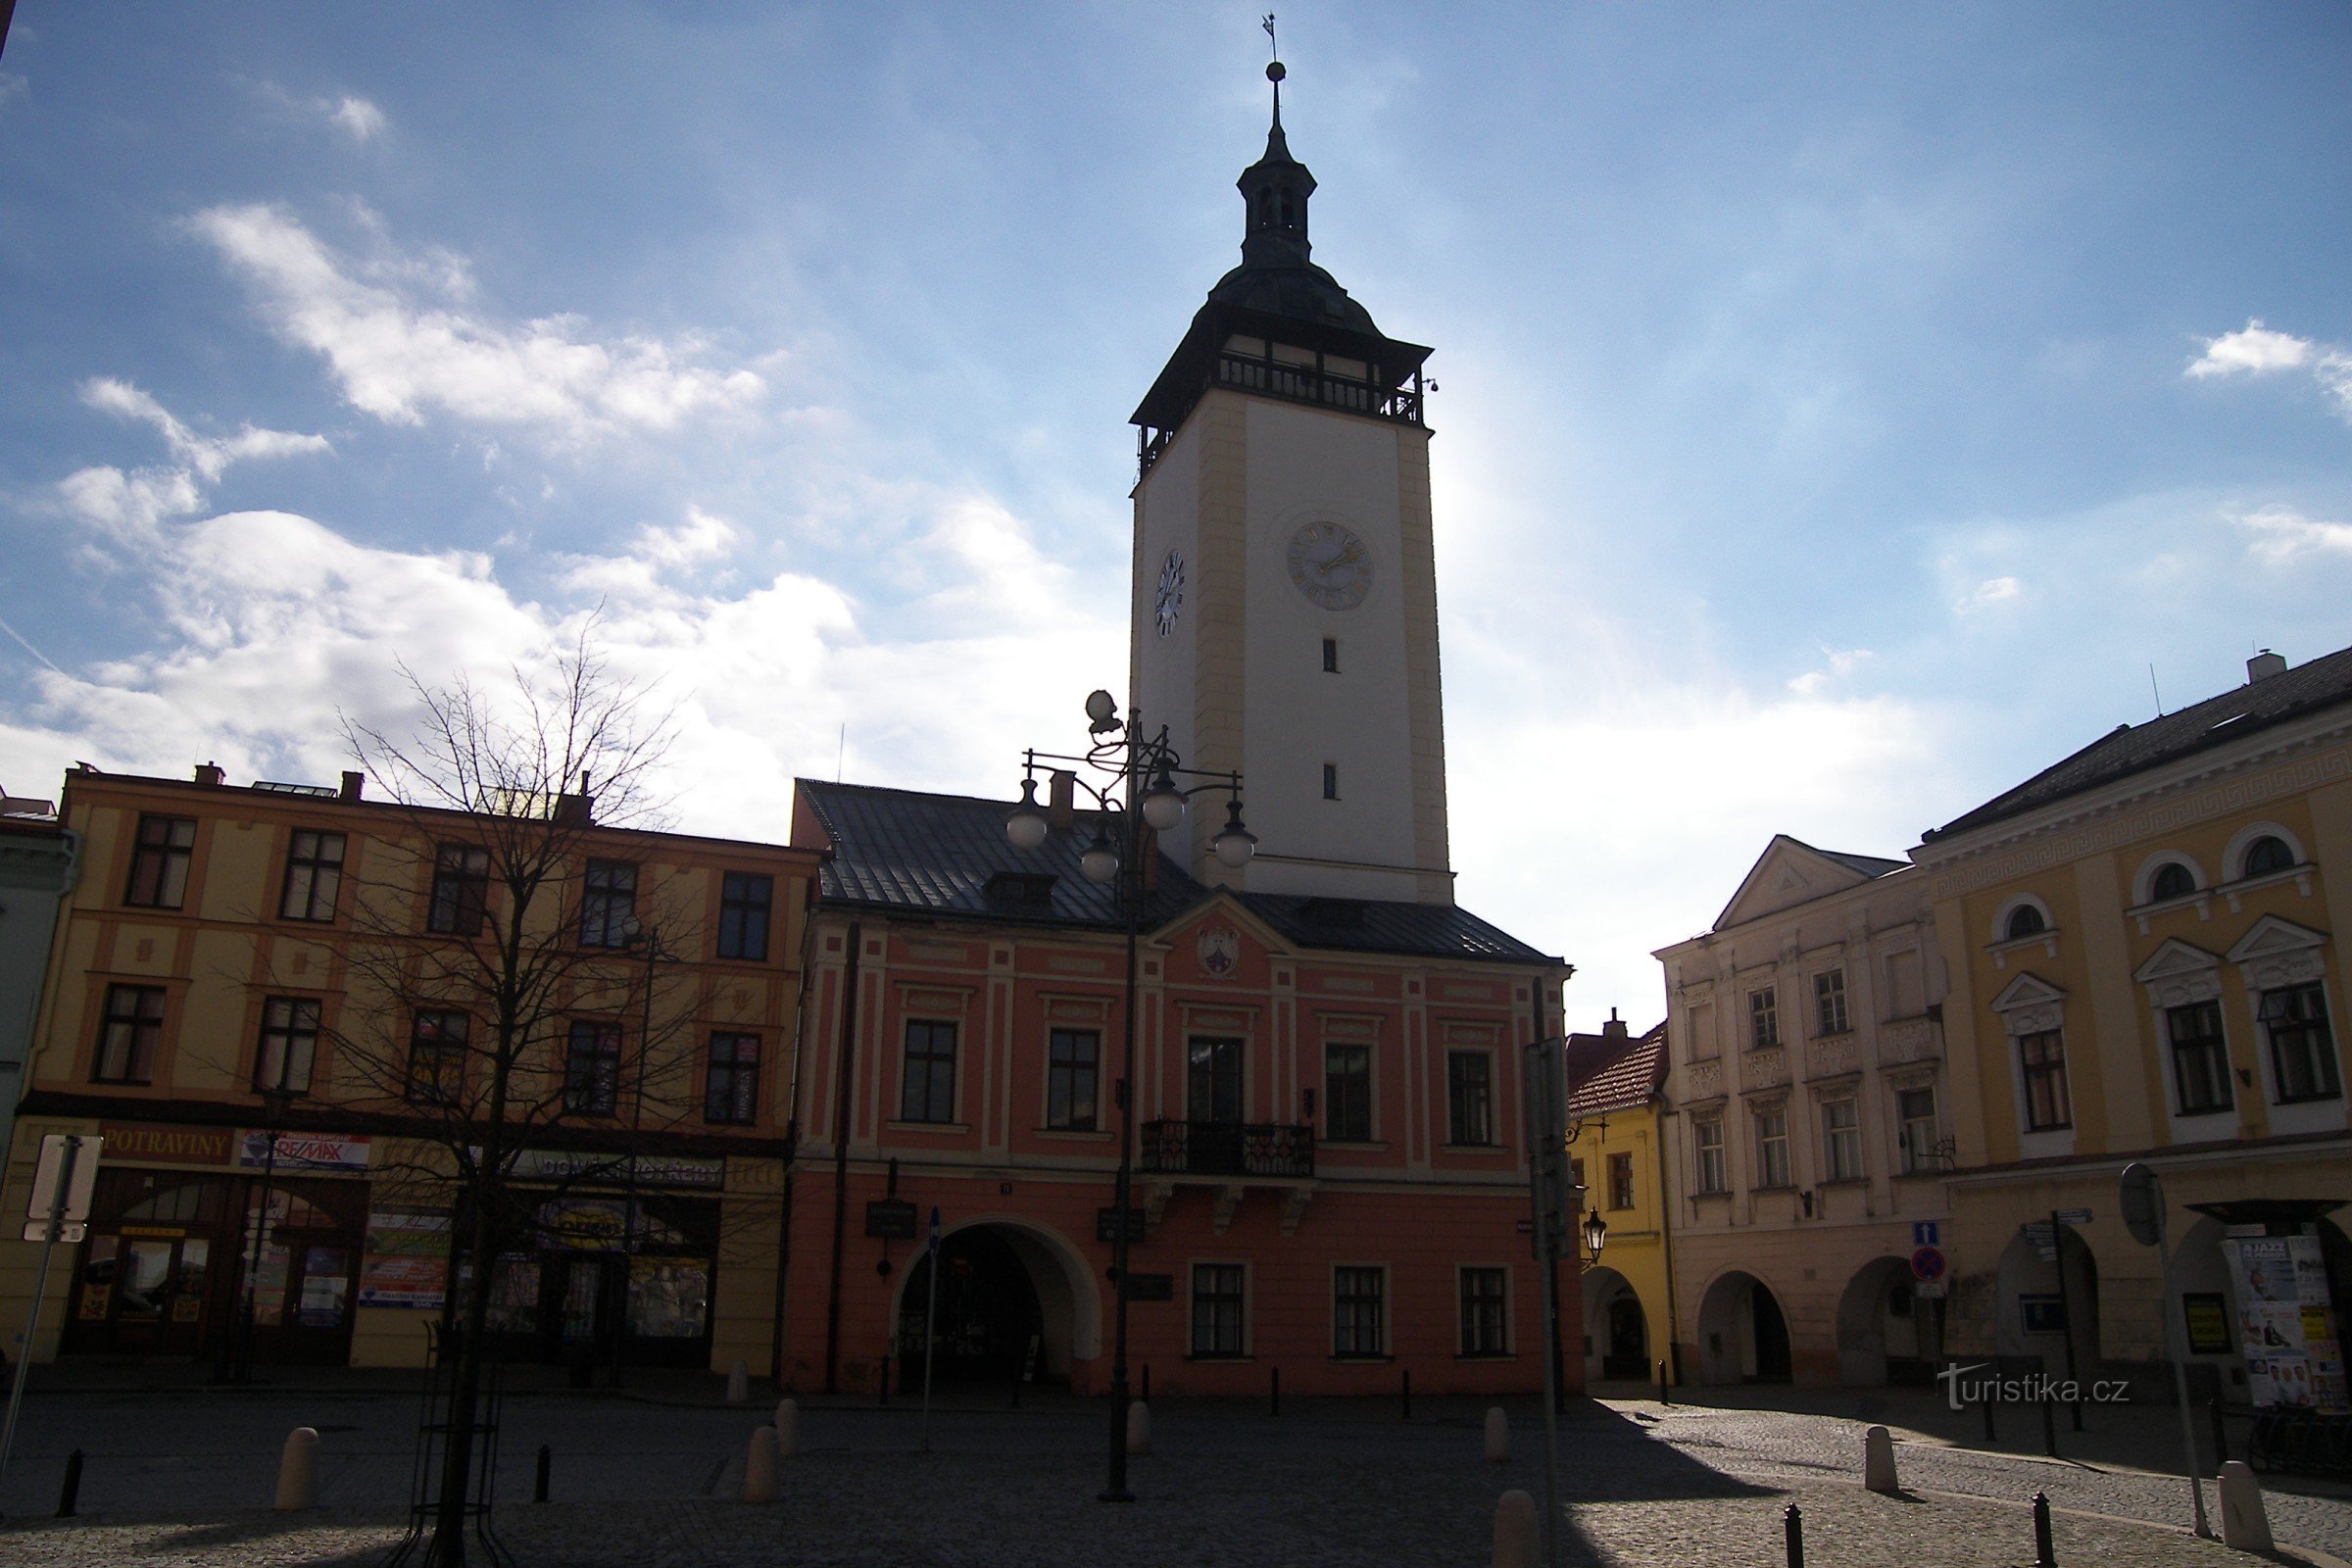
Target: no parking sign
point(1926, 1266)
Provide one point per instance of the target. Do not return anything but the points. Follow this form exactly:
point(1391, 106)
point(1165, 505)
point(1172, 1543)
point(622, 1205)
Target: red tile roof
point(1609, 1072)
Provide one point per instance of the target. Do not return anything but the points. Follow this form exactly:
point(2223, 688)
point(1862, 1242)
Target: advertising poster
point(2294, 1356)
point(2321, 1345)
point(406, 1260)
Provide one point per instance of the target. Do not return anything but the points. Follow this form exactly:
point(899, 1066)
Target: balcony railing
point(1228, 1148)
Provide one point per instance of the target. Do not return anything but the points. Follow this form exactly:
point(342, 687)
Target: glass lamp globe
point(1597, 1231)
point(1100, 863)
point(1233, 843)
point(1163, 804)
point(1026, 824)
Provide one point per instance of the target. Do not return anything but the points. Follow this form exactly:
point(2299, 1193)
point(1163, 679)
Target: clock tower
point(1285, 614)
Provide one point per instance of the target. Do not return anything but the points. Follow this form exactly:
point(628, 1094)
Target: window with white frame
point(1772, 1148)
point(1707, 1137)
point(1915, 1111)
point(1763, 1019)
point(2302, 1044)
point(2200, 1058)
point(1840, 1139)
point(1829, 1003)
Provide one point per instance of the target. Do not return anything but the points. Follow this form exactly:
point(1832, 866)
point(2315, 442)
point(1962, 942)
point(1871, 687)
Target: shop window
point(1359, 1311)
point(1347, 1094)
point(1829, 1003)
point(1220, 1308)
point(437, 1042)
point(128, 1034)
point(313, 876)
point(460, 890)
point(607, 904)
point(1484, 1311)
point(591, 1067)
point(158, 863)
point(289, 1045)
point(743, 900)
point(1073, 1069)
point(2302, 1046)
point(927, 1081)
point(2200, 1058)
point(1469, 1098)
point(2041, 1062)
point(1763, 1019)
point(731, 1080)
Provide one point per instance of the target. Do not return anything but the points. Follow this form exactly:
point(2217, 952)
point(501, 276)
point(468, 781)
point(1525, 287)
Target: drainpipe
point(792, 1134)
point(1674, 1345)
point(841, 1153)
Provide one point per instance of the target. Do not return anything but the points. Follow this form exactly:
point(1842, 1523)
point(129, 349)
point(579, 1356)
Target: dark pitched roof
point(1866, 864)
point(2131, 749)
point(947, 855)
point(1610, 1072)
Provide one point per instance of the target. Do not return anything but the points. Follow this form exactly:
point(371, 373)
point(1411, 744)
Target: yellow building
point(233, 1006)
point(2140, 948)
point(1613, 1093)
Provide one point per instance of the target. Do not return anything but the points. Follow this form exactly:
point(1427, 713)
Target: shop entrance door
point(303, 1275)
point(150, 1281)
point(584, 1290)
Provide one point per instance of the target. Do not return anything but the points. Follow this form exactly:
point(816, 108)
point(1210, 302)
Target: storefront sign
point(145, 1144)
point(407, 1260)
point(653, 1170)
point(299, 1151)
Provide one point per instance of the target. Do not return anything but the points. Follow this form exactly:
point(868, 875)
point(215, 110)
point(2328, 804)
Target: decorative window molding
point(2022, 910)
point(2178, 973)
point(2143, 881)
point(2030, 1005)
point(2234, 859)
point(2275, 952)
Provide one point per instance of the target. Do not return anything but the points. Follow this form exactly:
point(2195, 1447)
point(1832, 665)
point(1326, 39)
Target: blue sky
point(1841, 408)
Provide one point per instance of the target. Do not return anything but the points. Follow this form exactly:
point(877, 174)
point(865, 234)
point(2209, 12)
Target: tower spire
point(1275, 190)
point(1274, 75)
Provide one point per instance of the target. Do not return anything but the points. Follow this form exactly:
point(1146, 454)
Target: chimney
point(352, 783)
point(209, 774)
point(2265, 664)
point(1614, 1029)
point(1061, 800)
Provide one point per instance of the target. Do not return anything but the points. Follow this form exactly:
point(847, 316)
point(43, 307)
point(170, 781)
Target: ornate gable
point(2030, 1005)
point(2178, 973)
point(2280, 952)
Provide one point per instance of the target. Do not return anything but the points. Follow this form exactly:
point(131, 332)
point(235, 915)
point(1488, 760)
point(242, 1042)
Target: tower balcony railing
point(1304, 384)
point(1276, 1150)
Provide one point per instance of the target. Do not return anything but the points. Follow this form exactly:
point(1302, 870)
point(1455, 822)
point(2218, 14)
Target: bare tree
point(479, 949)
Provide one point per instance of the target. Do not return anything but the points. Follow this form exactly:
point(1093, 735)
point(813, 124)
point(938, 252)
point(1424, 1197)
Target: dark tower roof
point(1279, 294)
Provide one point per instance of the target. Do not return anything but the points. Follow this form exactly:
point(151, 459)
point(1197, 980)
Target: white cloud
point(12, 85)
point(207, 456)
point(1989, 594)
point(362, 118)
point(398, 357)
point(129, 506)
point(2257, 350)
point(1841, 664)
point(2282, 534)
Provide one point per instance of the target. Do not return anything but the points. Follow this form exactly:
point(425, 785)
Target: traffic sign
point(1923, 1232)
point(1929, 1290)
point(2142, 1203)
point(1927, 1264)
point(70, 1160)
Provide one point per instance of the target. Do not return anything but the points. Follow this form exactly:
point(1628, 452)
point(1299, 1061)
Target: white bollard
point(787, 1427)
point(1498, 1436)
point(739, 1382)
point(1518, 1543)
point(298, 1471)
point(759, 1467)
point(2245, 1526)
point(1878, 1460)
point(1138, 1427)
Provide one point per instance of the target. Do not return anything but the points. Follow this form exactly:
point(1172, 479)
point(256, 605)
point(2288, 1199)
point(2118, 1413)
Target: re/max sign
point(183, 1145)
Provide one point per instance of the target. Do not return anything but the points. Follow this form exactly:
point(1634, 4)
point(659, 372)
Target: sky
point(1843, 410)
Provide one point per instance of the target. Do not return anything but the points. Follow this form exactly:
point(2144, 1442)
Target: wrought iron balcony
point(1228, 1148)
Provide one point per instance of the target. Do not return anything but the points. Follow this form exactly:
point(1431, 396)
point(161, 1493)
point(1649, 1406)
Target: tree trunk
point(448, 1549)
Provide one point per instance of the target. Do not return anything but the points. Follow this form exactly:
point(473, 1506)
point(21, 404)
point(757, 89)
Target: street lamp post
point(634, 935)
point(1140, 791)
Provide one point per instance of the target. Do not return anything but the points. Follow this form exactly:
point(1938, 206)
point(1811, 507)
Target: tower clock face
point(1330, 565)
point(1168, 602)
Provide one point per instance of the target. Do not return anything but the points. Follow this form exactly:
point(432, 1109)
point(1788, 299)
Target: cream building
point(1807, 1119)
point(2141, 941)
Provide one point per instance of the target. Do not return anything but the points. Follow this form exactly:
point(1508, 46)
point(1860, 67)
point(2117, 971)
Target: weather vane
point(1269, 24)
point(1274, 72)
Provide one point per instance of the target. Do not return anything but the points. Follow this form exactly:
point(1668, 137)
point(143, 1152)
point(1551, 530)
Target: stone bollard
point(739, 1382)
point(1138, 1427)
point(1518, 1542)
point(1498, 1435)
point(787, 1427)
point(298, 1471)
point(1878, 1460)
point(2245, 1524)
point(759, 1467)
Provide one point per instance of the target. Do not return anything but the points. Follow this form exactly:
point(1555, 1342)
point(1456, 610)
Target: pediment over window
point(2174, 959)
point(2027, 991)
point(2270, 937)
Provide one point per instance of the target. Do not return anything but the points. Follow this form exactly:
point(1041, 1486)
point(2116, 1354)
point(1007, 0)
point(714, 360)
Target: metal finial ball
point(1275, 73)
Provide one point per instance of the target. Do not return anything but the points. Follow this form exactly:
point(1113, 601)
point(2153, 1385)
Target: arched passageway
point(1014, 1304)
point(1886, 1332)
point(2042, 1311)
point(1743, 1336)
point(1616, 1330)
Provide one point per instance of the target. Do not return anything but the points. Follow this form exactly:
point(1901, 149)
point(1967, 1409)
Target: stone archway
point(1054, 1299)
point(2035, 1317)
point(1883, 1332)
point(1616, 1328)
point(1743, 1336)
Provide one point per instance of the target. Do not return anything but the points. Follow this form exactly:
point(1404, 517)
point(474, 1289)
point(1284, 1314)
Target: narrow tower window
point(1331, 781)
point(1331, 655)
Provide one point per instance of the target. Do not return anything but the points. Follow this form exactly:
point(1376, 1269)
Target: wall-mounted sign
point(890, 1219)
point(653, 1170)
point(146, 1142)
point(300, 1152)
point(1151, 1286)
point(2207, 1317)
point(1106, 1224)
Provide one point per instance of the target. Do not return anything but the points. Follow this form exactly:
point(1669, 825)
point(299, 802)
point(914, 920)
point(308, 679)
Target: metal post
point(1408, 1394)
point(2049, 1426)
point(1665, 1396)
point(628, 1214)
point(1792, 1531)
point(930, 1325)
point(547, 1465)
point(2174, 1328)
point(1552, 1431)
point(1131, 895)
point(2220, 1434)
point(2066, 1310)
point(69, 1495)
point(40, 1285)
point(1274, 1397)
point(259, 1244)
point(1990, 1436)
point(2045, 1554)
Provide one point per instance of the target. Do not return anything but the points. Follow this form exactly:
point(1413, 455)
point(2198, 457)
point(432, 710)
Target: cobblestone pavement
point(179, 1480)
